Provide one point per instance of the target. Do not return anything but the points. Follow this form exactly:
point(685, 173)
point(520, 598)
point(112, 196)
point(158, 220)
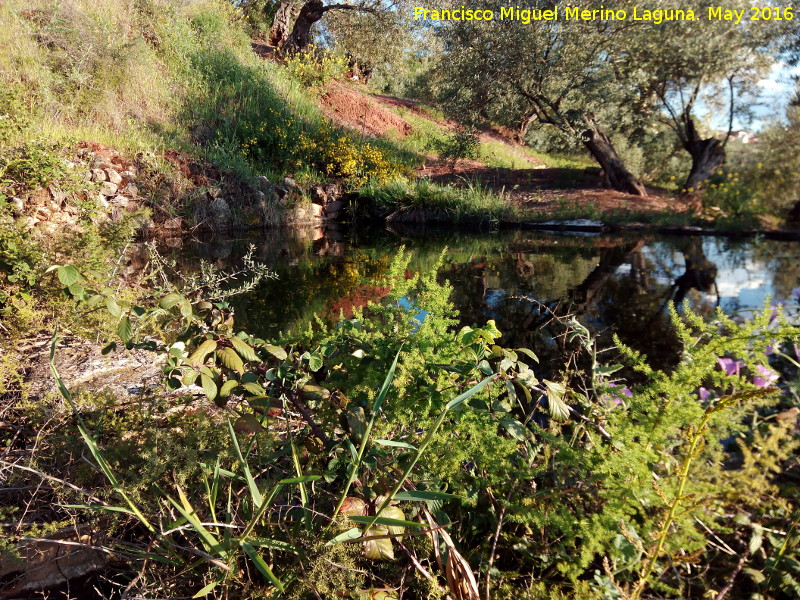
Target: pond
point(612, 283)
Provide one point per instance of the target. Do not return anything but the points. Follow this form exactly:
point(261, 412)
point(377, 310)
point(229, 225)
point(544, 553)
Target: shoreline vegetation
point(152, 445)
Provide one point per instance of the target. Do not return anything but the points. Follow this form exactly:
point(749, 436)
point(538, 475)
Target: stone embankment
point(104, 185)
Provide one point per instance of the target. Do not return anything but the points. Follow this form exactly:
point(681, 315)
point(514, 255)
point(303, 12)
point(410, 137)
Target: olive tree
point(562, 73)
point(710, 64)
point(294, 19)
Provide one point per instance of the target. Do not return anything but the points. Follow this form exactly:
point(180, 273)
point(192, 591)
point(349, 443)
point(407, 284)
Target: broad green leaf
point(198, 357)
point(514, 428)
point(79, 292)
point(311, 391)
point(68, 275)
point(380, 549)
point(529, 354)
point(113, 308)
point(170, 300)
point(209, 386)
point(190, 377)
point(393, 512)
point(254, 388)
point(276, 351)
point(559, 409)
point(248, 424)
point(124, 329)
point(315, 362)
point(228, 387)
point(230, 359)
point(492, 330)
point(185, 307)
point(243, 348)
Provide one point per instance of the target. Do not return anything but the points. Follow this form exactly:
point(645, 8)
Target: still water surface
point(612, 283)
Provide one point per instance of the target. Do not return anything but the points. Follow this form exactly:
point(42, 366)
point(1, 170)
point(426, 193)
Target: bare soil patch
point(548, 190)
point(347, 106)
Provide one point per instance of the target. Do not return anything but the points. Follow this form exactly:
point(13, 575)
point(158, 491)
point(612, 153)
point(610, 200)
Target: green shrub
point(314, 68)
point(34, 164)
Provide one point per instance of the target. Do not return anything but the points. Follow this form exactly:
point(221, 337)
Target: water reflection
point(613, 284)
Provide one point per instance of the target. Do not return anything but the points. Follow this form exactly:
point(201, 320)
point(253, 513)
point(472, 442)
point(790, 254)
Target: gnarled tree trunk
point(524, 125)
point(281, 24)
point(707, 156)
point(311, 12)
point(616, 174)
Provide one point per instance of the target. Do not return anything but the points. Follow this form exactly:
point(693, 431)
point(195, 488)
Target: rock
point(67, 554)
point(132, 190)
point(88, 175)
point(48, 228)
point(318, 194)
point(29, 222)
point(43, 213)
point(173, 223)
point(17, 205)
point(316, 211)
point(290, 183)
point(98, 175)
point(113, 176)
point(263, 183)
point(108, 188)
point(102, 200)
point(334, 207)
point(128, 175)
point(120, 201)
point(332, 191)
point(59, 196)
point(220, 213)
point(174, 242)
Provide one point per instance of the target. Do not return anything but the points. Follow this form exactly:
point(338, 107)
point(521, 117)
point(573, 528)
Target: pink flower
point(766, 377)
point(730, 366)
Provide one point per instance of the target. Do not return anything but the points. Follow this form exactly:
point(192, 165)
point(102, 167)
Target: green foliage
point(460, 144)
point(314, 68)
point(730, 198)
point(33, 164)
point(340, 154)
point(13, 114)
point(572, 477)
point(21, 256)
point(424, 201)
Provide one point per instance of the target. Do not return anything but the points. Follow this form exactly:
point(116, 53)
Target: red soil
point(347, 106)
